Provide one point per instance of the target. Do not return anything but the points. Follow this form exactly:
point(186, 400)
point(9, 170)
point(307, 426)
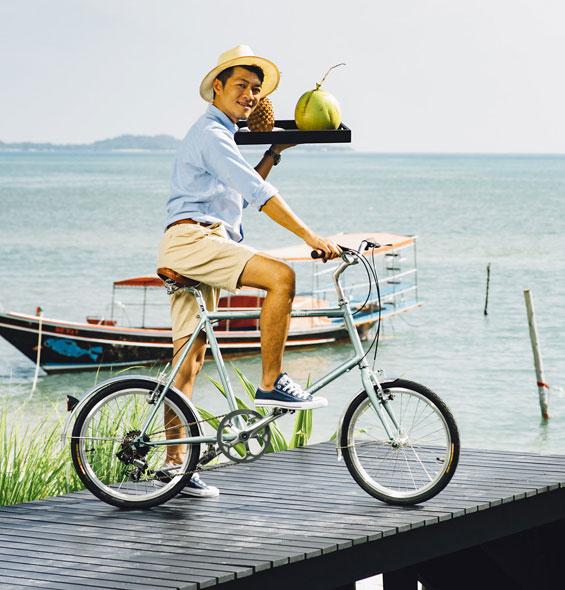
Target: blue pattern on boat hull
point(69, 348)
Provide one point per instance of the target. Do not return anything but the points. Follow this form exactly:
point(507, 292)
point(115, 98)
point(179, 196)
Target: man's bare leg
point(277, 278)
point(184, 381)
point(189, 370)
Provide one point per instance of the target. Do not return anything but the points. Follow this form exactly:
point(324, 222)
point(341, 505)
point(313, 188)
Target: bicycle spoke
point(414, 465)
point(110, 453)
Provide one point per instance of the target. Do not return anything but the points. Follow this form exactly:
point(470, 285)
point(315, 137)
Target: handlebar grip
point(315, 254)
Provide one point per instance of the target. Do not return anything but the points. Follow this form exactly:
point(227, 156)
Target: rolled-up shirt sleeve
point(223, 160)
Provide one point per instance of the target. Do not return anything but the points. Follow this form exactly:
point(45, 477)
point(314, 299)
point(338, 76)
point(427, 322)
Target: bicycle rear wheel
point(113, 464)
point(422, 459)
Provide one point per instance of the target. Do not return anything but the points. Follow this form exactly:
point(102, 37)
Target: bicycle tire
point(424, 460)
point(105, 427)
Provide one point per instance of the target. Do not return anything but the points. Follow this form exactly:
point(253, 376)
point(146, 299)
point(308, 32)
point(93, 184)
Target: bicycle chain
point(230, 464)
point(191, 423)
point(211, 468)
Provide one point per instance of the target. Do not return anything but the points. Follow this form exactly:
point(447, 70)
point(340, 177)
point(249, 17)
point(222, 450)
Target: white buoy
point(542, 385)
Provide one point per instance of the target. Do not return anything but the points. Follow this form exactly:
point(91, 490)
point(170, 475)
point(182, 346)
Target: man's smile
point(239, 95)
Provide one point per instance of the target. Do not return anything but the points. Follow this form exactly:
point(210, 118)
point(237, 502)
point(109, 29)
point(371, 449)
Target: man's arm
point(267, 163)
point(278, 210)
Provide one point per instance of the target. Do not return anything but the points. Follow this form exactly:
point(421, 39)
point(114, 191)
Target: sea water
point(72, 223)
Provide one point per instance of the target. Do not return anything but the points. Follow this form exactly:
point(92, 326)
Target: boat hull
point(68, 346)
point(102, 343)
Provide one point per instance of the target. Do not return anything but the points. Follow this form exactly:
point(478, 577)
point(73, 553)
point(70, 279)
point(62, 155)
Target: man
point(211, 183)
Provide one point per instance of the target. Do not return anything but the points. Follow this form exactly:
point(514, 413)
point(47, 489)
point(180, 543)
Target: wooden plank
point(137, 562)
point(240, 524)
point(286, 516)
point(206, 541)
point(107, 574)
point(276, 555)
point(135, 531)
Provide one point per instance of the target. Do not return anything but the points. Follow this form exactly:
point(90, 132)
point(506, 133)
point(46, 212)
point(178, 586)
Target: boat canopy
point(302, 251)
point(145, 281)
point(297, 253)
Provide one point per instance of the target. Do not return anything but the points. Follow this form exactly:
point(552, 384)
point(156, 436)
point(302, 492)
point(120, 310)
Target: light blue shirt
point(211, 181)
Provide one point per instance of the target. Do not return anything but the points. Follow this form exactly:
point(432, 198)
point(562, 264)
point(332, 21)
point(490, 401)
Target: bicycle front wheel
point(114, 463)
point(420, 458)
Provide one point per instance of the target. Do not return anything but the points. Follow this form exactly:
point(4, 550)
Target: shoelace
point(288, 386)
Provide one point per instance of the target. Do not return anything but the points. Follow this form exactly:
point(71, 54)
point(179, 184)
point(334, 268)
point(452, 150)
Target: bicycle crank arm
point(274, 415)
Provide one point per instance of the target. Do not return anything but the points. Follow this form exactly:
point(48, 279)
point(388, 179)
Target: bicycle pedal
point(212, 452)
point(282, 411)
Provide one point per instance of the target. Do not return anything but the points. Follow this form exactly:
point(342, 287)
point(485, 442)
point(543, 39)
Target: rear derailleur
point(132, 453)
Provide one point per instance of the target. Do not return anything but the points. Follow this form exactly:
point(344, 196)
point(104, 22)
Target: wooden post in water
point(488, 285)
point(37, 362)
point(542, 386)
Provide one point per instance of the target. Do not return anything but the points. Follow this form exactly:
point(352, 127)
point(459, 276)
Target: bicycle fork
point(371, 384)
point(382, 407)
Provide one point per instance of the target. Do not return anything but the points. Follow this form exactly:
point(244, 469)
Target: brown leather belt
point(202, 223)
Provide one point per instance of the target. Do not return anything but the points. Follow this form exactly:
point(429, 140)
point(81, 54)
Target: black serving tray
point(289, 133)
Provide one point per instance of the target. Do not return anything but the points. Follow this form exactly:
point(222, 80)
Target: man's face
point(239, 96)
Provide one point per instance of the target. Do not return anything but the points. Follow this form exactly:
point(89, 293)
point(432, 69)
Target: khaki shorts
point(204, 254)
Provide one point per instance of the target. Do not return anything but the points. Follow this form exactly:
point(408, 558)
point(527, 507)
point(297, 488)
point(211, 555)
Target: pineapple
point(263, 117)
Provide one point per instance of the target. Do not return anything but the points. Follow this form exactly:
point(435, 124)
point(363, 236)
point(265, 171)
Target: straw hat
point(242, 55)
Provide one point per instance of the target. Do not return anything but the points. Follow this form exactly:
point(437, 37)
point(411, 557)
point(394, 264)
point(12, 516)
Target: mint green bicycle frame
point(369, 379)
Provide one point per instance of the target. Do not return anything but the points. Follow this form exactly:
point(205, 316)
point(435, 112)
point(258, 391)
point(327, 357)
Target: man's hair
point(224, 75)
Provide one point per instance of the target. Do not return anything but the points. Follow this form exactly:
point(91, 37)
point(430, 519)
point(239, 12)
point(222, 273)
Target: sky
point(429, 76)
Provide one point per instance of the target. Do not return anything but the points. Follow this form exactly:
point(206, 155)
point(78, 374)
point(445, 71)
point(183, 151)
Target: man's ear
point(217, 85)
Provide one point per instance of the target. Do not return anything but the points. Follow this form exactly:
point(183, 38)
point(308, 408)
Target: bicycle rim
point(422, 460)
point(109, 464)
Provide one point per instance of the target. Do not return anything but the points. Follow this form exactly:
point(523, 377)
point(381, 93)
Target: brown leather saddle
point(168, 274)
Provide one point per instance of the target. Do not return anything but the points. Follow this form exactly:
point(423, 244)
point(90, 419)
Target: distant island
point(132, 143)
point(121, 143)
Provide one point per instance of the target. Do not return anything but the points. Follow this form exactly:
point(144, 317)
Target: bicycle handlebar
point(365, 245)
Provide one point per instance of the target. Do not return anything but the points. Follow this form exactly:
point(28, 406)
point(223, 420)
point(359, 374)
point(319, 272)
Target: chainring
point(246, 447)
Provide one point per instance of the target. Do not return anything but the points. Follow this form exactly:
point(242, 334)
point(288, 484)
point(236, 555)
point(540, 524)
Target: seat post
point(197, 293)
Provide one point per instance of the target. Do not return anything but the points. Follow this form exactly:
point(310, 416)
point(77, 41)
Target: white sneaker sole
point(317, 402)
point(210, 492)
point(207, 492)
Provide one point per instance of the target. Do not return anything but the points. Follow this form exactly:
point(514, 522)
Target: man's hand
point(329, 248)
point(279, 147)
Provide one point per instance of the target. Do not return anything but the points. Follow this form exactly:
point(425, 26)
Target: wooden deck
point(298, 520)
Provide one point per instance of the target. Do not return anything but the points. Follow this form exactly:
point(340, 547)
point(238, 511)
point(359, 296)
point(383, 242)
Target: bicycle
point(399, 440)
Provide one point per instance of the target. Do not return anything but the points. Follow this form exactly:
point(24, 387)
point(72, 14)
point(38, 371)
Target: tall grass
point(34, 464)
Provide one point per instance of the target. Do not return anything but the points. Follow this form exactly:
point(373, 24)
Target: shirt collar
point(222, 118)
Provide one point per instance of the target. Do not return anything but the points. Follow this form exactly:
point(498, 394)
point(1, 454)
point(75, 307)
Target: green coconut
point(317, 109)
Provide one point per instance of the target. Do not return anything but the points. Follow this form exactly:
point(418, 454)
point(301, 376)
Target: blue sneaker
point(286, 394)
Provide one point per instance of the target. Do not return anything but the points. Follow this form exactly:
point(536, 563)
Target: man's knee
point(271, 274)
point(286, 280)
